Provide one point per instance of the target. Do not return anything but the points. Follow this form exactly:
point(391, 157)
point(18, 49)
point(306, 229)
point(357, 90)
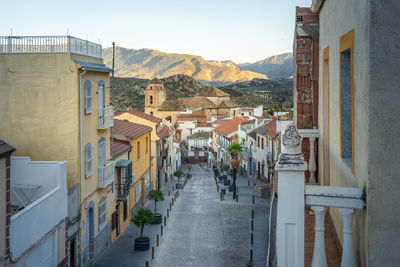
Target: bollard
point(172, 202)
point(147, 263)
point(252, 225)
point(162, 229)
point(158, 240)
point(253, 199)
point(170, 205)
point(152, 253)
point(248, 183)
point(252, 214)
point(169, 192)
point(165, 220)
point(251, 255)
point(254, 183)
point(251, 238)
point(167, 213)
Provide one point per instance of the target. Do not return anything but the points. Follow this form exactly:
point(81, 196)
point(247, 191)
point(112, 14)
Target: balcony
point(35, 188)
point(294, 196)
point(124, 178)
point(105, 117)
point(48, 45)
point(106, 175)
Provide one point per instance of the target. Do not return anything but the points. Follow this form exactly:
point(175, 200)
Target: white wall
point(31, 224)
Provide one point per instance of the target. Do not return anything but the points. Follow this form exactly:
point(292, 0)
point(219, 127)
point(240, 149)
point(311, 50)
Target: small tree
point(141, 218)
point(235, 149)
point(189, 166)
point(225, 167)
point(178, 174)
point(156, 195)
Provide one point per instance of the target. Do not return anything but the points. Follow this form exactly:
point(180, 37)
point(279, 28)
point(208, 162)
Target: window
point(88, 160)
point(258, 141)
point(147, 145)
point(102, 221)
point(151, 99)
point(151, 113)
point(88, 97)
point(114, 220)
point(138, 150)
point(125, 210)
point(262, 142)
point(347, 99)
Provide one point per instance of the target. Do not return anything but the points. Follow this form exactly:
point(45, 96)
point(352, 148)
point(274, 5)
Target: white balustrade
point(105, 117)
point(312, 135)
point(106, 175)
point(293, 195)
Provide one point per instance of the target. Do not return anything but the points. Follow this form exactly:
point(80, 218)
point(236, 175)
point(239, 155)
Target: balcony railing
point(105, 117)
point(123, 189)
point(293, 196)
point(49, 44)
point(106, 174)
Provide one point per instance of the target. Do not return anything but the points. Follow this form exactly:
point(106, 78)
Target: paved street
point(201, 230)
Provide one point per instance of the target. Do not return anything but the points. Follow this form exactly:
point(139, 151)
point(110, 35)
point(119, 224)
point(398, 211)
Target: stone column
point(319, 257)
point(311, 164)
point(290, 221)
point(347, 253)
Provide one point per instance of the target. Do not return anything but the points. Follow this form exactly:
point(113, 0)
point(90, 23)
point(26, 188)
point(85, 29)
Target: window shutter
point(88, 97)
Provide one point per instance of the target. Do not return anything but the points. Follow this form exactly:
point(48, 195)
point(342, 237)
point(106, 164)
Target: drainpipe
point(81, 163)
point(80, 133)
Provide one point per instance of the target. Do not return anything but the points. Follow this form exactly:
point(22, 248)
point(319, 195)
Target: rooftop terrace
point(48, 44)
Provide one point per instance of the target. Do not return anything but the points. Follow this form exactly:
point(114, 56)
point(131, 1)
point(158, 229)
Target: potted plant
point(235, 149)
point(189, 166)
point(142, 218)
point(156, 195)
point(178, 174)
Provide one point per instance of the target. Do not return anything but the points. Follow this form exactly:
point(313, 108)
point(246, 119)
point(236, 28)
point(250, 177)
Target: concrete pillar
point(290, 213)
point(319, 257)
point(347, 253)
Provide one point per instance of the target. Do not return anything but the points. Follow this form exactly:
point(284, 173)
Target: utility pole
point(113, 45)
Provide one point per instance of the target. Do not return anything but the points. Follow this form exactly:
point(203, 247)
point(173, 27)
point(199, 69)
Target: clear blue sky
point(240, 30)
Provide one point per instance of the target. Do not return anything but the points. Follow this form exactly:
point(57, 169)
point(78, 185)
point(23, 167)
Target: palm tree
point(235, 149)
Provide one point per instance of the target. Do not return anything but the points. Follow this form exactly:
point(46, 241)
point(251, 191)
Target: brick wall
point(306, 54)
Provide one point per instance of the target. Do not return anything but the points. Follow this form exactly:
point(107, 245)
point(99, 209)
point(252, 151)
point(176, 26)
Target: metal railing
point(49, 44)
point(106, 174)
point(105, 117)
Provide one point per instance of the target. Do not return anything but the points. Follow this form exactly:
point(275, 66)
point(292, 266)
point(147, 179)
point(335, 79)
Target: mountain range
point(149, 63)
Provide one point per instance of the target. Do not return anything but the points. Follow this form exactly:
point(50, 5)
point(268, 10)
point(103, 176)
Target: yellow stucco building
point(139, 138)
point(158, 134)
point(55, 105)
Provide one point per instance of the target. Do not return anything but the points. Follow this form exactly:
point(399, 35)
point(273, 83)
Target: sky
point(238, 30)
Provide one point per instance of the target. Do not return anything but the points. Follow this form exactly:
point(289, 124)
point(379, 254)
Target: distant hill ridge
point(149, 63)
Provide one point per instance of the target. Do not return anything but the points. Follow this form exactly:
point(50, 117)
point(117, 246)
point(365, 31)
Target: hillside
point(128, 93)
point(148, 64)
point(276, 67)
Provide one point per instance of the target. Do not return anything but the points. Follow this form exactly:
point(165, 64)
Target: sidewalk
point(122, 253)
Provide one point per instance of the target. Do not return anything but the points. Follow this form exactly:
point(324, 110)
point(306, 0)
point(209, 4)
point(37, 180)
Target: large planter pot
point(142, 244)
point(157, 218)
point(230, 188)
point(178, 186)
point(227, 182)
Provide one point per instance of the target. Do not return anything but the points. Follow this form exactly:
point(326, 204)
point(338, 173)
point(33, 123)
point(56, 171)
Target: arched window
point(151, 99)
point(88, 160)
point(151, 113)
point(88, 97)
point(102, 220)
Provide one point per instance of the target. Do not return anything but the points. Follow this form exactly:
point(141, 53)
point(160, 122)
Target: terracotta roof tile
point(230, 126)
point(5, 148)
point(228, 103)
point(129, 129)
point(271, 128)
point(163, 132)
point(212, 92)
point(155, 81)
point(144, 116)
point(183, 103)
point(119, 146)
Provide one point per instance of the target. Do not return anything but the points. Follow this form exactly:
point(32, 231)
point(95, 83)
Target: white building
point(198, 145)
point(38, 200)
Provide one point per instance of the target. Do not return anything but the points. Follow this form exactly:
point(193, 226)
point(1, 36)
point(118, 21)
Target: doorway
point(90, 229)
